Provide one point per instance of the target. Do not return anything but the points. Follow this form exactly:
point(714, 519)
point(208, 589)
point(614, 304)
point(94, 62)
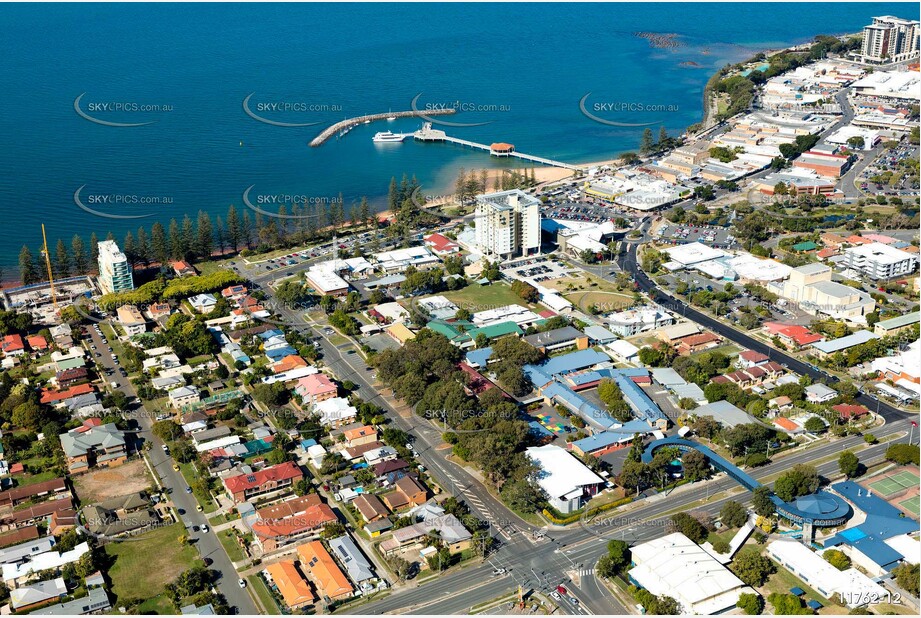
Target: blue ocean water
point(529, 64)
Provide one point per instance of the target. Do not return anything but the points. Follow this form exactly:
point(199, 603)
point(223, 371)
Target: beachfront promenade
point(343, 126)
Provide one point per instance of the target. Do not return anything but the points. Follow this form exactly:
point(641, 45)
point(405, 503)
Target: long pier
point(428, 134)
point(349, 123)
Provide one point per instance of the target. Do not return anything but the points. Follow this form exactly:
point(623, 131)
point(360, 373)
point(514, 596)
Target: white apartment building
point(890, 39)
point(636, 321)
point(507, 224)
point(879, 261)
point(114, 270)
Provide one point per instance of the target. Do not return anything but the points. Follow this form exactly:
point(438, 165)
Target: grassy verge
point(229, 543)
point(189, 474)
point(261, 590)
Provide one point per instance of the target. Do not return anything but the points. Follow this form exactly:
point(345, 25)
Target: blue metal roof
point(268, 334)
point(573, 361)
point(643, 405)
point(613, 435)
point(590, 413)
point(279, 353)
point(478, 358)
point(540, 429)
point(883, 522)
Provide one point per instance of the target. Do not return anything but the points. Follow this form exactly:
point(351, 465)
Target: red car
point(561, 590)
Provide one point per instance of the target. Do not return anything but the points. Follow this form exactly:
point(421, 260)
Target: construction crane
point(47, 255)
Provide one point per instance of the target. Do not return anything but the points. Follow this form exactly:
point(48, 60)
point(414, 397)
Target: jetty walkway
point(344, 126)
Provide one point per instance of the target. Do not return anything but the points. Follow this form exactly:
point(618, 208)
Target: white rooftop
point(694, 252)
point(561, 473)
point(674, 565)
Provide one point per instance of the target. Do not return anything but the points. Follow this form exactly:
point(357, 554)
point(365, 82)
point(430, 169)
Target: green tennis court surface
point(895, 483)
point(912, 504)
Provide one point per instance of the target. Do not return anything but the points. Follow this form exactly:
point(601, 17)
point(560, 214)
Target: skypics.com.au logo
point(272, 112)
point(432, 111)
point(116, 113)
point(298, 206)
point(120, 205)
point(604, 112)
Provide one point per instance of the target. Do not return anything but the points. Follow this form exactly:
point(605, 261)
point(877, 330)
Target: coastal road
point(207, 543)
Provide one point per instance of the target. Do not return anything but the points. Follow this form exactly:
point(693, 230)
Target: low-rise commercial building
point(675, 566)
point(853, 587)
point(568, 483)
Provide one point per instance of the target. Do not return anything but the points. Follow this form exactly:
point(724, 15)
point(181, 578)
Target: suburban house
point(329, 579)
point(291, 521)
point(294, 589)
point(183, 269)
point(94, 445)
point(370, 507)
point(131, 320)
point(184, 395)
point(203, 303)
point(37, 492)
point(697, 343)
point(792, 335)
point(407, 492)
point(360, 435)
point(750, 358)
point(433, 519)
point(244, 487)
point(316, 388)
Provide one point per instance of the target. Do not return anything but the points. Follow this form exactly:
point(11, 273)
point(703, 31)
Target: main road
point(207, 543)
point(544, 564)
point(627, 260)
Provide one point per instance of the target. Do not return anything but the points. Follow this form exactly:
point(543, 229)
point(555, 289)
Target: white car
point(205, 528)
point(556, 595)
point(241, 582)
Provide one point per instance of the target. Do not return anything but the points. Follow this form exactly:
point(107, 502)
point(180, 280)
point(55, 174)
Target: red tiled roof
point(292, 361)
point(800, 334)
point(848, 410)
point(49, 396)
point(12, 343)
point(37, 342)
point(699, 339)
point(441, 242)
point(785, 423)
point(281, 472)
point(752, 357)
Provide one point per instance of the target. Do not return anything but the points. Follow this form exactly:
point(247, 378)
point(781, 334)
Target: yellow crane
point(47, 253)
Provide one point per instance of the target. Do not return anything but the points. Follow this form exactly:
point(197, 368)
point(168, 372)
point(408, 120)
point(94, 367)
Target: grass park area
point(477, 297)
point(143, 565)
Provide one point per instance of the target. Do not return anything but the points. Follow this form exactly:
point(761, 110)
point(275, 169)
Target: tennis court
point(912, 504)
point(896, 483)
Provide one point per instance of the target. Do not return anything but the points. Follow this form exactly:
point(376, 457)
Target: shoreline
point(545, 174)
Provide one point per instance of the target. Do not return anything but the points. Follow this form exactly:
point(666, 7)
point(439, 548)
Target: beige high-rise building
point(890, 39)
point(507, 224)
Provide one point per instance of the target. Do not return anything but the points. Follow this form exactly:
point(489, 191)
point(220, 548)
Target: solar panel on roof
point(251, 479)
